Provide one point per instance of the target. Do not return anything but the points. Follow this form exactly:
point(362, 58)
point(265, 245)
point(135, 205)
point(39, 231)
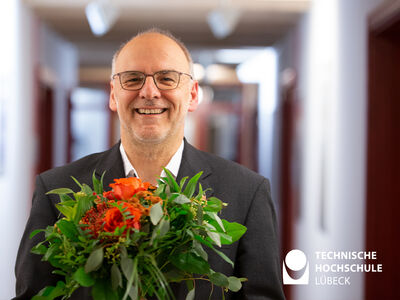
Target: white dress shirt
point(173, 165)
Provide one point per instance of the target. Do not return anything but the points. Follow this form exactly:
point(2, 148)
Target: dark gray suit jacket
point(256, 255)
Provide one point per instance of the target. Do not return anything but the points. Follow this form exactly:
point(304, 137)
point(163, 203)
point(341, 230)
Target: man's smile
point(150, 111)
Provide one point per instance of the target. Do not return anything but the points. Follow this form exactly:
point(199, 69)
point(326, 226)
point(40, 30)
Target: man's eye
point(166, 78)
point(133, 80)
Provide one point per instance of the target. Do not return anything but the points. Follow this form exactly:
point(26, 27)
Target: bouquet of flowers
point(132, 241)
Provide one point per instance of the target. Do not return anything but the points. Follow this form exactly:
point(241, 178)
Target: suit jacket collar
point(192, 162)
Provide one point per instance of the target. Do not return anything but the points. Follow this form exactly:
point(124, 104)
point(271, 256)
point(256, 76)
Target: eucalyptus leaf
point(234, 283)
point(127, 267)
point(94, 260)
point(199, 250)
point(156, 213)
point(190, 295)
point(182, 199)
point(116, 277)
point(219, 279)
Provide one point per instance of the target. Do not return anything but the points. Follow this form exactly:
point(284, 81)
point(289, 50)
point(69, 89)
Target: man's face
point(150, 115)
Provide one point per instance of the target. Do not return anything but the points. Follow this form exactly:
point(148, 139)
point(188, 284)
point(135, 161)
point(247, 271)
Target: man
point(152, 90)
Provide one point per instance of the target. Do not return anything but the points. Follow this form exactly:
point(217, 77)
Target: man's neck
point(149, 159)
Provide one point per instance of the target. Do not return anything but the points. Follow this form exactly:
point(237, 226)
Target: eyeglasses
point(164, 80)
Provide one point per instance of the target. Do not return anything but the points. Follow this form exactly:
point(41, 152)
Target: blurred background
point(304, 92)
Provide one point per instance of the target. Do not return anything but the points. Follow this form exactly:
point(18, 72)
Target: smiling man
point(152, 90)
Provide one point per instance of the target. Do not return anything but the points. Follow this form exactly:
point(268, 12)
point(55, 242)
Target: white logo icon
point(296, 261)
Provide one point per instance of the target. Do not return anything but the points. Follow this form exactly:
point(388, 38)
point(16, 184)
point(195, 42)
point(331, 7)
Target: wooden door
point(383, 152)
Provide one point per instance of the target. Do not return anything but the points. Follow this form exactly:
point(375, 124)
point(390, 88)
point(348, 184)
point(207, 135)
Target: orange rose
point(114, 218)
point(125, 188)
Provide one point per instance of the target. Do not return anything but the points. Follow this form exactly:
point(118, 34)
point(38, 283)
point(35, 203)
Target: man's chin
point(151, 138)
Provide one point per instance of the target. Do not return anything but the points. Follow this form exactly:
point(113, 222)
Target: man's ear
point(194, 94)
point(113, 100)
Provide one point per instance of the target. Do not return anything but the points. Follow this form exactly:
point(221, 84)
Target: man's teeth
point(150, 111)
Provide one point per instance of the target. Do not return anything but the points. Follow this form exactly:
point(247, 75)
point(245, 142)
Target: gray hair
point(159, 31)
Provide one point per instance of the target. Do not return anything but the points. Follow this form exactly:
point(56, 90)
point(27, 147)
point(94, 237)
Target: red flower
point(125, 188)
point(114, 218)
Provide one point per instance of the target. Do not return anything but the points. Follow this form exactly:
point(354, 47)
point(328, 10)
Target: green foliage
point(131, 263)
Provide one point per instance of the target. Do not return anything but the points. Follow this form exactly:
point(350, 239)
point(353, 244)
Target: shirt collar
point(173, 165)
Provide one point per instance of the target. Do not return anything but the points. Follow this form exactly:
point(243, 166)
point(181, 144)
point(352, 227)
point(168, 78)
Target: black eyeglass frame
point(154, 80)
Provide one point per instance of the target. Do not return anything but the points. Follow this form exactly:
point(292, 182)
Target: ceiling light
point(101, 15)
point(223, 20)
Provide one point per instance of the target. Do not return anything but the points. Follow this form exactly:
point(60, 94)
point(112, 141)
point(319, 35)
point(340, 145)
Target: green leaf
point(190, 262)
point(76, 181)
point(182, 182)
point(235, 230)
point(67, 211)
point(60, 191)
point(213, 204)
point(219, 279)
point(97, 184)
point(191, 186)
point(156, 213)
point(102, 290)
point(87, 189)
point(160, 230)
point(83, 278)
point(35, 232)
point(217, 219)
point(127, 267)
point(116, 277)
point(234, 283)
point(39, 249)
point(223, 256)
point(94, 260)
point(214, 237)
point(173, 185)
point(68, 228)
point(51, 292)
point(65, 198)
point(85, 202)
point(190, 295)
point(198, 249)
point(182, 199)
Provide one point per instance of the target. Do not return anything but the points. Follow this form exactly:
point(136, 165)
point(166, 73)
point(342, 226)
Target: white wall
point(17, 59)
point(26, 44)
point(332, 85)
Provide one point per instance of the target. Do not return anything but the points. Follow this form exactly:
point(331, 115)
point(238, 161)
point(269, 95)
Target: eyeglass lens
point(163, 80)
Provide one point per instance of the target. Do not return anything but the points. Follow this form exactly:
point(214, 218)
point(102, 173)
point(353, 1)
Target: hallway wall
point(332, 88)
point(28, 46)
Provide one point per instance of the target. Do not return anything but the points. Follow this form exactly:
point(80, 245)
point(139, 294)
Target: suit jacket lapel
point(110, 163)
point(192, 163)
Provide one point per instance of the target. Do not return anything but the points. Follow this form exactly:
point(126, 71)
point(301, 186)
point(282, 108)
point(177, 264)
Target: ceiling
point(262, 23)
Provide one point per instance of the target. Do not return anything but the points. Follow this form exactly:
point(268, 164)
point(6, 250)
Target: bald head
point(150, 40)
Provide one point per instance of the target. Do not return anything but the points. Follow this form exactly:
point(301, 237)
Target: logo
point(296, 261)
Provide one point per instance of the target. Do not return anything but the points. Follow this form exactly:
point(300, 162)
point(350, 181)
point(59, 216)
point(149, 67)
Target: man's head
point(150, 114)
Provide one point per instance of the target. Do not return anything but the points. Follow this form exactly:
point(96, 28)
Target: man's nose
point(149, 89)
